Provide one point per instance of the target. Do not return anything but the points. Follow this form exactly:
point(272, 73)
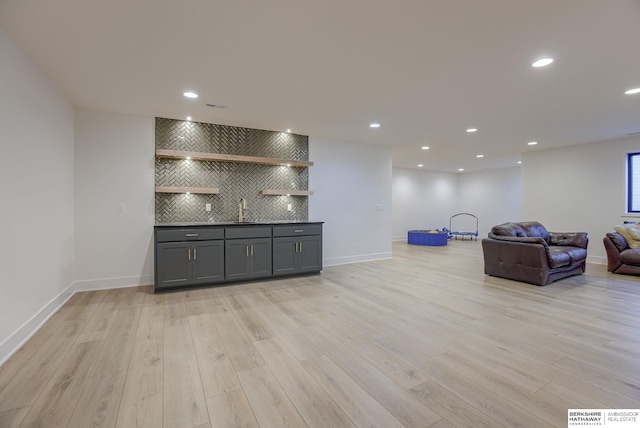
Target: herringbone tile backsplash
point(235, 180)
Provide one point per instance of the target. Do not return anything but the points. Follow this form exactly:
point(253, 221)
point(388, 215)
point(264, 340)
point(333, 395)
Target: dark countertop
point(235, 223)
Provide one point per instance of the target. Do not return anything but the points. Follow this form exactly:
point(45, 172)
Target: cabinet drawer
point(297, 230)
point(196, 234)
point(244, 232)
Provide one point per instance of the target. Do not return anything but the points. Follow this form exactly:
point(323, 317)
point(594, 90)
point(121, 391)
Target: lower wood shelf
point(285, 192)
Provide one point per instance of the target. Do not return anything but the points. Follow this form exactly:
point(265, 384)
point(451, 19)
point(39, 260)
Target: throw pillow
point(631, 233)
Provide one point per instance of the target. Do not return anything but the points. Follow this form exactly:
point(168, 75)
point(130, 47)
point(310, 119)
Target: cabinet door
point(284, 255)
point(236, 264)
point(309, 253)
point(208, 261)
point(173, 267)
point(260, 253)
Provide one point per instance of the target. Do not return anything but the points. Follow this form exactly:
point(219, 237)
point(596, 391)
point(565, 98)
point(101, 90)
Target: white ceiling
point(425, 69)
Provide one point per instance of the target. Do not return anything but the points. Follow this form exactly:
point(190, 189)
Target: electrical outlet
point(207, 207)
point(289, 207)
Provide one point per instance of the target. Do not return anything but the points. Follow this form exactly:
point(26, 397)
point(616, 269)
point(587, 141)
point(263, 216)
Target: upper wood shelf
point(220, 157)
point(202, 190)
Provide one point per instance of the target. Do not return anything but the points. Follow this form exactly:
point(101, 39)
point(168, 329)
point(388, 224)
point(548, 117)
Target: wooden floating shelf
point(221, 157)
point(284, 192)
point(203, 190)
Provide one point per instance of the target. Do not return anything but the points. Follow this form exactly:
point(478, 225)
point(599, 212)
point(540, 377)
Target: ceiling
point(426, 70)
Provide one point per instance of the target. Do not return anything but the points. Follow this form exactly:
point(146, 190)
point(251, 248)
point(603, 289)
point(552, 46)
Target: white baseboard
point(598, 260)
point(335, 261)
point(399, 238)
point(12, 343)
point(108, 283)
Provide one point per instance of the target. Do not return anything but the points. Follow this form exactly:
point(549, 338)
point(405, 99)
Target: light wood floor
point(422, 340)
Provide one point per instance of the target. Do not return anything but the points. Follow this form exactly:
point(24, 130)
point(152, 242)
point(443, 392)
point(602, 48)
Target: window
point(633, 182)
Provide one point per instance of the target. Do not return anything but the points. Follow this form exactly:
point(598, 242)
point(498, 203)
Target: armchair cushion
point(558, 257)
point(631, 233)
point(568, 239)
point(630, 257)
point(618, 240)
point(508, 229)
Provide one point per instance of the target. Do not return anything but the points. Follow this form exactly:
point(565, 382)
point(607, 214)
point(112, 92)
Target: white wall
point(36, 255)
point(422, 200)
point(428, 199)
point(492, 195)
point(114, 199)
point(352, 195)
point(579, 188)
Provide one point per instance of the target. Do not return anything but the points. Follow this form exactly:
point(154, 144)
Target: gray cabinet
point(297, 249)
point(203, 254)
point(248, 252)
point(248, 258)
point(186, 257)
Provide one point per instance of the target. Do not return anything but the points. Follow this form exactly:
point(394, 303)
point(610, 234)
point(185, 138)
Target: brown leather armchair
point(527, 252)
point(620, 258)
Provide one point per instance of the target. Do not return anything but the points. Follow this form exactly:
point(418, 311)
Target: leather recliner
point(620, 258)
point(527, 252)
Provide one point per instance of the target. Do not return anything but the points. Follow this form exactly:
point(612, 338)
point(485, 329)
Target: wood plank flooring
point(422, 340)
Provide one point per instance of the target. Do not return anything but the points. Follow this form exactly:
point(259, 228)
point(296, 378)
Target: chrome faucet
point(242, 207)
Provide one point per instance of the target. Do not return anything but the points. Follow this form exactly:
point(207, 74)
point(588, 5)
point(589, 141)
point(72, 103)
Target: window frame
point(629, 200)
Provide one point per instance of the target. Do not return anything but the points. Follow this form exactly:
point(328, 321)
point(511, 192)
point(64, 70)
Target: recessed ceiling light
point(420, 165)
point(472, 129)
point(288, 131)
point(542, 62)
point(632, 91)
point(189, 118)
point(479, 156)
point(519, 162)
point(374, 125)
point(425, 147)
point(188, 158)
point(532, 143)
point(460, 169)
point(190, 94)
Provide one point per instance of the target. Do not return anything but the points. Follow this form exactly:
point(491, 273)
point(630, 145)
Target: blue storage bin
point(423, 237)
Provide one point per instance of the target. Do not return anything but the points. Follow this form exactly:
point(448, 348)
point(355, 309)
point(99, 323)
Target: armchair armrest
point(573, 239)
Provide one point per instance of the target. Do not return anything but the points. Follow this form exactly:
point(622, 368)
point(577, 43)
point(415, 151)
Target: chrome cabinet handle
point(252, 250)
point(298, 231)
point(189, 250)
point(296, 247)
point(301, 247)
point(247, 247)
point(191, 235)
point(195, 252)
